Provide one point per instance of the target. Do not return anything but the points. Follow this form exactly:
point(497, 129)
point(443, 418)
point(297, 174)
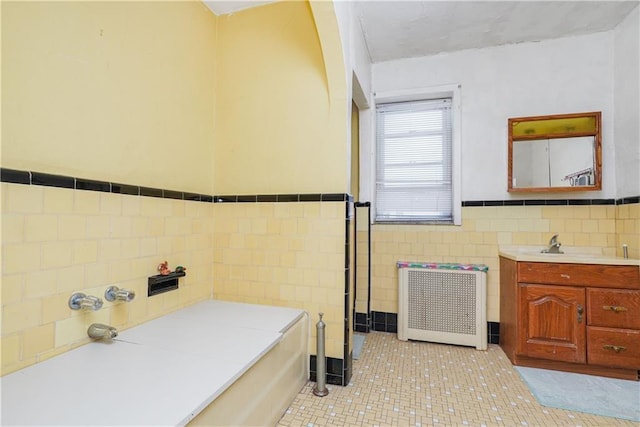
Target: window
point(414, 168)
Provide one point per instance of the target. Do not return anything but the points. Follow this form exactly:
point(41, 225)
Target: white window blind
point(414, 162)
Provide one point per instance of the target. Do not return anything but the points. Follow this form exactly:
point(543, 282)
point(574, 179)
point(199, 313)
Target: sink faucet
point(554, 246)
point(98, 331)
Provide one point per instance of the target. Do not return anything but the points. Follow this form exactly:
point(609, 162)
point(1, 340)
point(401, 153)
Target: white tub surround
point(170, 370)
point(571, 255)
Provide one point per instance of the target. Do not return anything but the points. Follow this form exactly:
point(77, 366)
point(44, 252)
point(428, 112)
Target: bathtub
point(213, 363)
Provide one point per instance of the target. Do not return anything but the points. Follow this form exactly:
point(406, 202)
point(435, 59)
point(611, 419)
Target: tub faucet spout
point(99, 331)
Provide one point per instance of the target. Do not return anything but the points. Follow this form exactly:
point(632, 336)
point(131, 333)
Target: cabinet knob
point(614, 308)
point(616, 348)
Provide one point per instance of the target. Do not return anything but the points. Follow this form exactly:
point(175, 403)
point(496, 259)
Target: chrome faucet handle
point(114, 293)
point(79, 301)
point(554, 240)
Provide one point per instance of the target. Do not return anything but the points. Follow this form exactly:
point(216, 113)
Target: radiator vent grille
point(443, 305)
point(442, 301)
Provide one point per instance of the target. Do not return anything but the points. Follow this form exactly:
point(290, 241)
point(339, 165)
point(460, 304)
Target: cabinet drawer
point(603, 276)
point(613, 347)
point(613, 308)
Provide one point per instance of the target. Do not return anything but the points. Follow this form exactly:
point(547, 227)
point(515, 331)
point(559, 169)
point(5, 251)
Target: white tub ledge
point(213, 363)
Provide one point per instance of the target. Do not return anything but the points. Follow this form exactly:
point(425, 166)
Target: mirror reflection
point(555, 153)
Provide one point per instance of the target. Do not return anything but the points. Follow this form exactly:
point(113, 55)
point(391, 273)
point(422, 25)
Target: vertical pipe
point(321, 362)
point(355, 262)
point(625, 251)
point(368, 314)
point(369, 265)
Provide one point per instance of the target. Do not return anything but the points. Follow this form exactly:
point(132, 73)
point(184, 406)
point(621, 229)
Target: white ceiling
point(396, 29)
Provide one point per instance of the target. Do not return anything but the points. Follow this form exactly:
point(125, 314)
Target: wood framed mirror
point(555, 153)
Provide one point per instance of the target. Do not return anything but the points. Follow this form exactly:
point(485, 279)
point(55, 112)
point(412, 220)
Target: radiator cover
point(445, 306)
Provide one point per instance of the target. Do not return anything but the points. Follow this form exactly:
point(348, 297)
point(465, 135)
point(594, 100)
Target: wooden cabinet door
point(552, 322)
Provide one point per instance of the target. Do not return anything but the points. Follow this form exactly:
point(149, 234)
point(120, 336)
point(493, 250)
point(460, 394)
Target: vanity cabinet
point(574, 317)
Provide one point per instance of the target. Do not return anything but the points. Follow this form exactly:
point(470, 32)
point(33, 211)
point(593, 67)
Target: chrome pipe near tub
point(79, 301)
point(99, 331)
point(321, 362)
point(114, 293)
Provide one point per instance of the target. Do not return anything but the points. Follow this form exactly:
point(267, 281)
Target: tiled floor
point(397, 383)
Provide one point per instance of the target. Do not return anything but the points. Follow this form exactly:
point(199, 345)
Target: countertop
point(163, 372)
point(571, 255)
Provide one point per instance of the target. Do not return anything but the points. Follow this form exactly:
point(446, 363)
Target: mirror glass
point(555, 153)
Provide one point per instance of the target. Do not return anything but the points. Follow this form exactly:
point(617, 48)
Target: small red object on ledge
point(164, 269)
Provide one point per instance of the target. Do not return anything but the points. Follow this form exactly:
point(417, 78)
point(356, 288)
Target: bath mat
point(584, 393)
point(358, 342)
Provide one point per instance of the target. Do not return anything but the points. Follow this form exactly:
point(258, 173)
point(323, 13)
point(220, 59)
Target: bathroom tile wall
point(287, 254)
point(628, 229)
point(484, 229)
point(57, 241)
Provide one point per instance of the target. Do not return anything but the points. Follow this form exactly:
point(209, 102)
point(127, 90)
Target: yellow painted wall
point(127, 92)
point(484, 230)
point(115, 91)
point(355, 152)
point(278, 130)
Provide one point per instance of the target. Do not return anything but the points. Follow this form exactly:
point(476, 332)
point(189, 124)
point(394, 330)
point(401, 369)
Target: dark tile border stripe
point(169, 194)
point(288, 198)
point(311, 197)
point(551, 202)
point(15, 176)
point(192, 196)
point(151, 192)
point(628, 200)
point(48, 180)
point(132, 190)
point(91, 185)
point(247, 199)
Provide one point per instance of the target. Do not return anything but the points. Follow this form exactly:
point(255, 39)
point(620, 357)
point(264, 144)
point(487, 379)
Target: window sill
point(448, 222)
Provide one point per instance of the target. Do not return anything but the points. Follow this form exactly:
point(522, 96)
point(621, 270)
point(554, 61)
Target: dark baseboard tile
point(338, 373)
point(15, 176)
point(493, 332)
point(388, 322)
point(384, 322)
